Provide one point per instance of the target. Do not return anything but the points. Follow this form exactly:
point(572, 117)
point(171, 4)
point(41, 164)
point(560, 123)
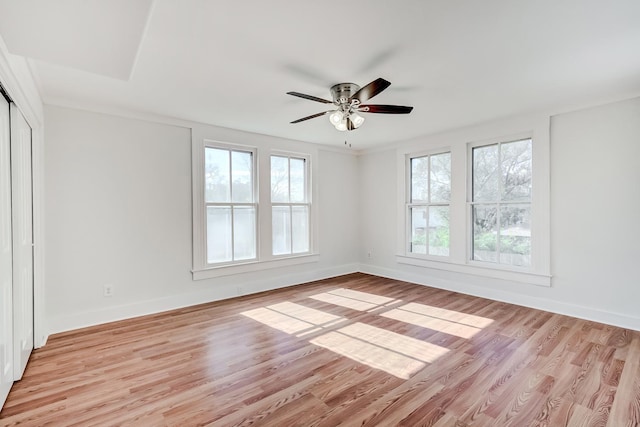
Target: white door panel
point(22, 218)
point(6, 259)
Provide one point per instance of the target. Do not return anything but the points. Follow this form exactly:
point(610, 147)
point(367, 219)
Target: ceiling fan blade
point(385, 109)
point(310, 97)
point(371, 90)
point(313, 116)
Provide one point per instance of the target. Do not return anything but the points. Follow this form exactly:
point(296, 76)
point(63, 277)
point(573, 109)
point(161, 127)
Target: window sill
point(479, 270)
point(248, 267)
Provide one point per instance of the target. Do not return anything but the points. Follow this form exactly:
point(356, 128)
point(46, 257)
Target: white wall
point(595, 234)
point(595, 202)
point(119, 212)
point(378, 200)
point(339, 215)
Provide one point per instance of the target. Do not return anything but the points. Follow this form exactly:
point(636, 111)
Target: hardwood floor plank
point(294, 357)
point(625, 409)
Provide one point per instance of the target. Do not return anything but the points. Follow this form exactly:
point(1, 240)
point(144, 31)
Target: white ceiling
point(230, 63)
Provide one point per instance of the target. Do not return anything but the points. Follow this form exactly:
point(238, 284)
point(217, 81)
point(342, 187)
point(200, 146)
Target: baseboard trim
point(209, 294)
point(581, 312)
point(142, 308)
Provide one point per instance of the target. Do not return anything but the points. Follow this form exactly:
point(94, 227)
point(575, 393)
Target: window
point(428, 206)
point(252, 205)
point(501, 203)
point(230, 204)
point(289, 205)
point(496, 208)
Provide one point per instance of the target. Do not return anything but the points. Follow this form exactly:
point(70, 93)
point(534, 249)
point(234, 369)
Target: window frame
point(307, 200)
point(499, 203)
point(254, 203)
point(202, 136)
point(409, 204)
point(459, 265)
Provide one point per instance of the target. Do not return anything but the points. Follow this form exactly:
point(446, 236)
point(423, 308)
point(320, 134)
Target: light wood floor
point(353, 350)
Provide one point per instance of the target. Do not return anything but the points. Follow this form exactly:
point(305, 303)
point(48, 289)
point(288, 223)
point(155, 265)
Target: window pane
point(297, 179)
point(218, 234)
point(440, 178)
point(515, 235)
point(279, 179)
point(516, 170)
point(439, 230)
point(216, 171)
point(244, 232)
point(485, 233)
point(486, 172)
point(300, 229)
point(418, 229)
point(281, 230)
point(419, 179)
point(242, 176)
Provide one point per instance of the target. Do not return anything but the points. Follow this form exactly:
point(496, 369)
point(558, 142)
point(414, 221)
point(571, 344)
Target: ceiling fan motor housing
point(341, 92)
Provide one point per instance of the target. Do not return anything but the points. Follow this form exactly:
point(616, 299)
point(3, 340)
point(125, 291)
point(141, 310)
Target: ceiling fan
point(349, 98)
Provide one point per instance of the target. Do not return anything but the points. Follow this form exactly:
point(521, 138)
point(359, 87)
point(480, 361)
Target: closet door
point(6, 260)
point(22, 218)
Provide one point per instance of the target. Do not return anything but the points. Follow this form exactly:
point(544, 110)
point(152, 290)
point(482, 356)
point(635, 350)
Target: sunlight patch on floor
point(378, 348)
point(443, 313)
point(439, 319)
point(355, 300)
point(393, 341)
point(294, 319)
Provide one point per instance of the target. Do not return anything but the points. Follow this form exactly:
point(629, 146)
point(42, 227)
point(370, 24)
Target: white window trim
point(252, 266)
point(408, 204)
point(201, 136)
point(254, 203)
point(470, 203)
point(308, 202)
point(459, 144)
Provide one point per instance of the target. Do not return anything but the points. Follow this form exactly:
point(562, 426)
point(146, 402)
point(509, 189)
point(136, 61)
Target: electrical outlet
point(108, 290)
point(369, 254)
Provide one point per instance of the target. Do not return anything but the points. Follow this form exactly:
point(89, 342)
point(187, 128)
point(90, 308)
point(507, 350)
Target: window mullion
point(230, 177)
point(290, 208)
point(429, 179)
point(233, 240)
point(428, 210)
point(233, 237)
point(289, 179)
point(499, 231)
point(290, 229)
point(500, 183)
point(499, 204)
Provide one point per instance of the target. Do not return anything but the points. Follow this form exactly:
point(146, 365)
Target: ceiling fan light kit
point(348, 98)
point(357, 119)
point(339, 119)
